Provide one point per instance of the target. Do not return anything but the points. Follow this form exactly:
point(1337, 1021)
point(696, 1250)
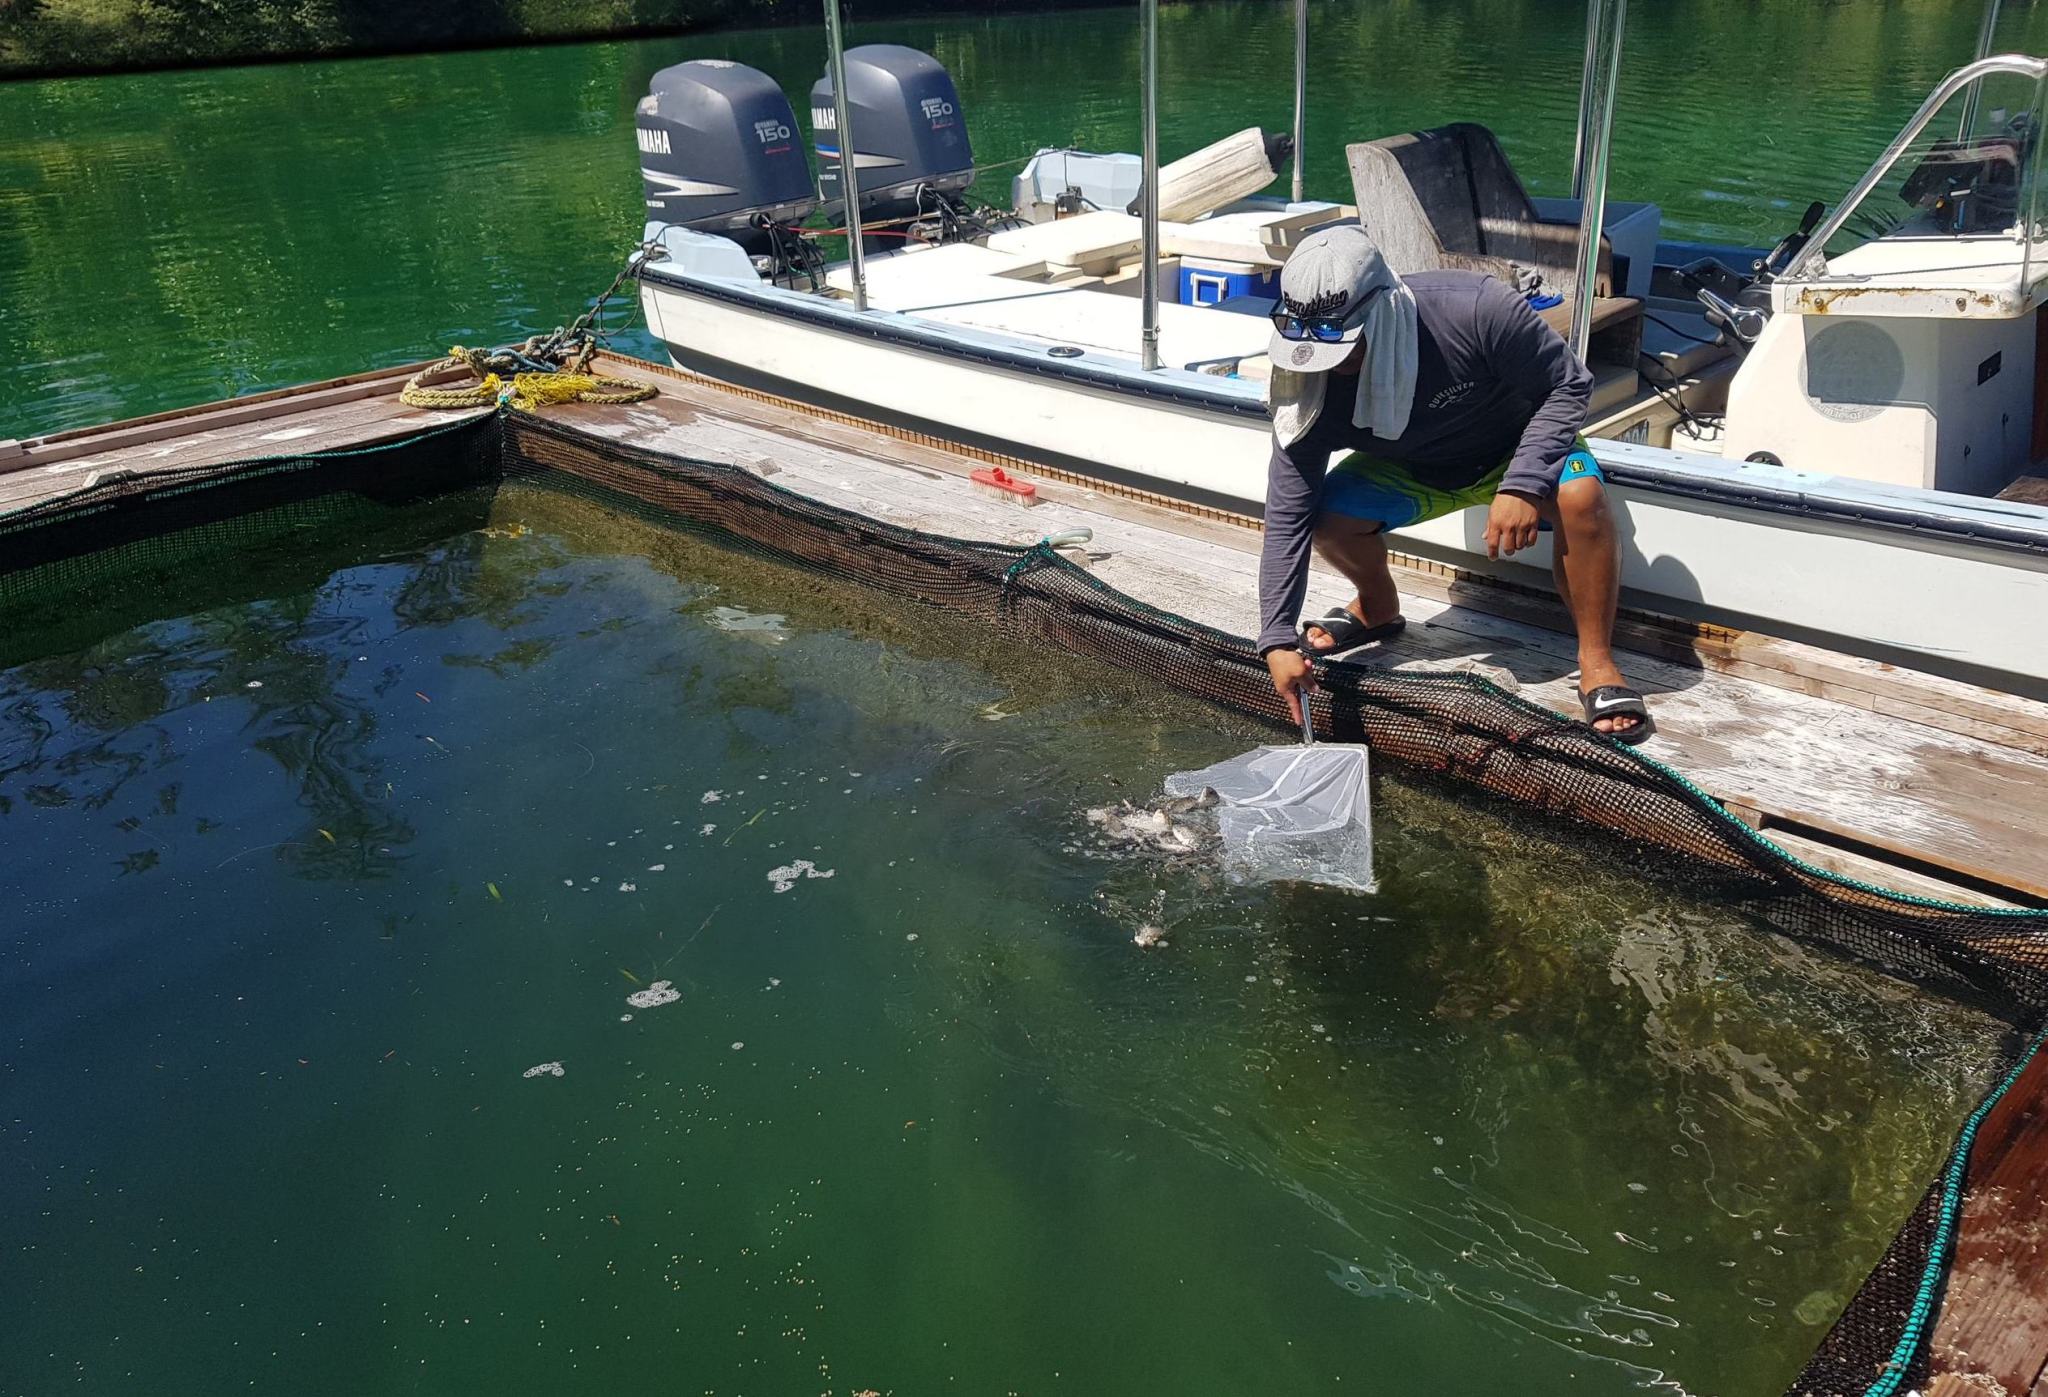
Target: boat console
point(1962, 187)
point(1910, 357)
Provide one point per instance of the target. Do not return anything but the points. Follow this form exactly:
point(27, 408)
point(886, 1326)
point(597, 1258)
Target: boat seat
point(1448, 198)
point(1260, 238)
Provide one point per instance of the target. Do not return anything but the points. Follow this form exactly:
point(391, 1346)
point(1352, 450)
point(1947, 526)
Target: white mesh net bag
point(1298, 813)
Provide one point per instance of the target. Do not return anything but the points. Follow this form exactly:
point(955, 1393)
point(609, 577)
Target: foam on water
point(790, 874)
point(655, 995)
point(766, 625)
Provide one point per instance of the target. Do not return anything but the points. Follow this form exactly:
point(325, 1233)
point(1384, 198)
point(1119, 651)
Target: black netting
point(1458, 725)
point(1857, 1353)
point(103, 555)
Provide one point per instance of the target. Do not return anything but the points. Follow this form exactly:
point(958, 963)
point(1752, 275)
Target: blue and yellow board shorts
point(1379, 491)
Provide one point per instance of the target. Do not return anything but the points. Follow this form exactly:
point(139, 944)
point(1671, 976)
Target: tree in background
point(202, 29)
point(54, 37)
point(57, 36)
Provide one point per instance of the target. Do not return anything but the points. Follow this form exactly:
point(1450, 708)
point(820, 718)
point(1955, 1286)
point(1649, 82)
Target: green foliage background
point(52, 37)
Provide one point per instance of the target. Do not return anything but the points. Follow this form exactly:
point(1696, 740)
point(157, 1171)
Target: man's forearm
point(1549, 438)
point(1283, 582)
point(1293, 490)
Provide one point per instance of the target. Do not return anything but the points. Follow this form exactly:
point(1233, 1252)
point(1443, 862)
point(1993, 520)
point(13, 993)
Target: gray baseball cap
point(1330, 274)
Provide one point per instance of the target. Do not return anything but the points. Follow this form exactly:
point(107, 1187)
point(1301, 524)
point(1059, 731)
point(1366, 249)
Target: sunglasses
point(1325, 329)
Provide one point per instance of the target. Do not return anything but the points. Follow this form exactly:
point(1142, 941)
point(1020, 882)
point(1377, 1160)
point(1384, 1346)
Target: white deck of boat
point(988, 288)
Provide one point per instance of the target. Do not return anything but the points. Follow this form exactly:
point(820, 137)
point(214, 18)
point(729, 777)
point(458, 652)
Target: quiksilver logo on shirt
point(1456, 393)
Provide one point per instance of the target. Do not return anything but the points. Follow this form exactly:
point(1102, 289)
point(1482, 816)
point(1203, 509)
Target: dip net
point(1297, 813)
point(99, 541)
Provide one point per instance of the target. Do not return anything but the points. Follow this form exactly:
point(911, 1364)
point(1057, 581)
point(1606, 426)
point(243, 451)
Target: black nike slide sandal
point(1346, 631)
point(1618, 701)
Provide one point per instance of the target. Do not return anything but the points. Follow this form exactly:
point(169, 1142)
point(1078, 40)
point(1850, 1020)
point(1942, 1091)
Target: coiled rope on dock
point(532, 375)
point(549, 368)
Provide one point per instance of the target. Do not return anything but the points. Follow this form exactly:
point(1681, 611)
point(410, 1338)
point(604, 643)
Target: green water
point(178, 237)
point(320, 841)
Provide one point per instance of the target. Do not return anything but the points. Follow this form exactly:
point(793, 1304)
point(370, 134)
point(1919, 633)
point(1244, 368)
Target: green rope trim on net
point(1952, 1181)
point(1039, 555)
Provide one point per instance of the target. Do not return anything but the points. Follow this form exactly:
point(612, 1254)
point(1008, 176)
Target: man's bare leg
point(1586, 561)
point(1357, 549)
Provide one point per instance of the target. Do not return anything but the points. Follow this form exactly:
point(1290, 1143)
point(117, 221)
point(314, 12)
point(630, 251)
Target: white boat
point(1830, 467)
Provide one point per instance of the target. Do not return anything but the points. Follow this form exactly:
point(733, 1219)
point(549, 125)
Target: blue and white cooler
point(1208, 281)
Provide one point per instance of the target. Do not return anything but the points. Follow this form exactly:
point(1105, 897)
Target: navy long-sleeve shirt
point(1494, 383)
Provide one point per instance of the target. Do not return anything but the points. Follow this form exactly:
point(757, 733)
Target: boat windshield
point(1965, 169)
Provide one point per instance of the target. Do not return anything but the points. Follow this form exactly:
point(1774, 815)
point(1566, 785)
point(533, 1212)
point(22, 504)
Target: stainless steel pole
point(1300, 89)
point(1599, 139)
point(1587, 72)
point(1987, 34)
point(1148, 273)
point(849, 179)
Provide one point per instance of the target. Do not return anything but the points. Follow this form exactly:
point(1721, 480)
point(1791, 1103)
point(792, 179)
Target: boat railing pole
point(1603, 51)
point(849, 179)
point(1300, 89)
point(1987, 33)
point(1148, 273)
point(1587, 72)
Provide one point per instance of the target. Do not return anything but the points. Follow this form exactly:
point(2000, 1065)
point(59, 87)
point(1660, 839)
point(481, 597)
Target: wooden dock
point(340, 413)
point(1906, 780)
point(1910, 781)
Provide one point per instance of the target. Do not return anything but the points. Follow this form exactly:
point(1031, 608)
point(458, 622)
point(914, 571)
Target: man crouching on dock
point(1448, 392)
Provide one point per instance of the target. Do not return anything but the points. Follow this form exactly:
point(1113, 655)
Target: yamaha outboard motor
point(911, 156)
point(719, 153)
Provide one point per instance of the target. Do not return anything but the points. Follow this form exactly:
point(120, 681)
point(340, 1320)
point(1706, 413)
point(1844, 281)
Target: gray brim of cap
point(1311, 356)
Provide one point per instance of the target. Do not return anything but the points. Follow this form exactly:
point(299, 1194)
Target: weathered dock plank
point(343, 413)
